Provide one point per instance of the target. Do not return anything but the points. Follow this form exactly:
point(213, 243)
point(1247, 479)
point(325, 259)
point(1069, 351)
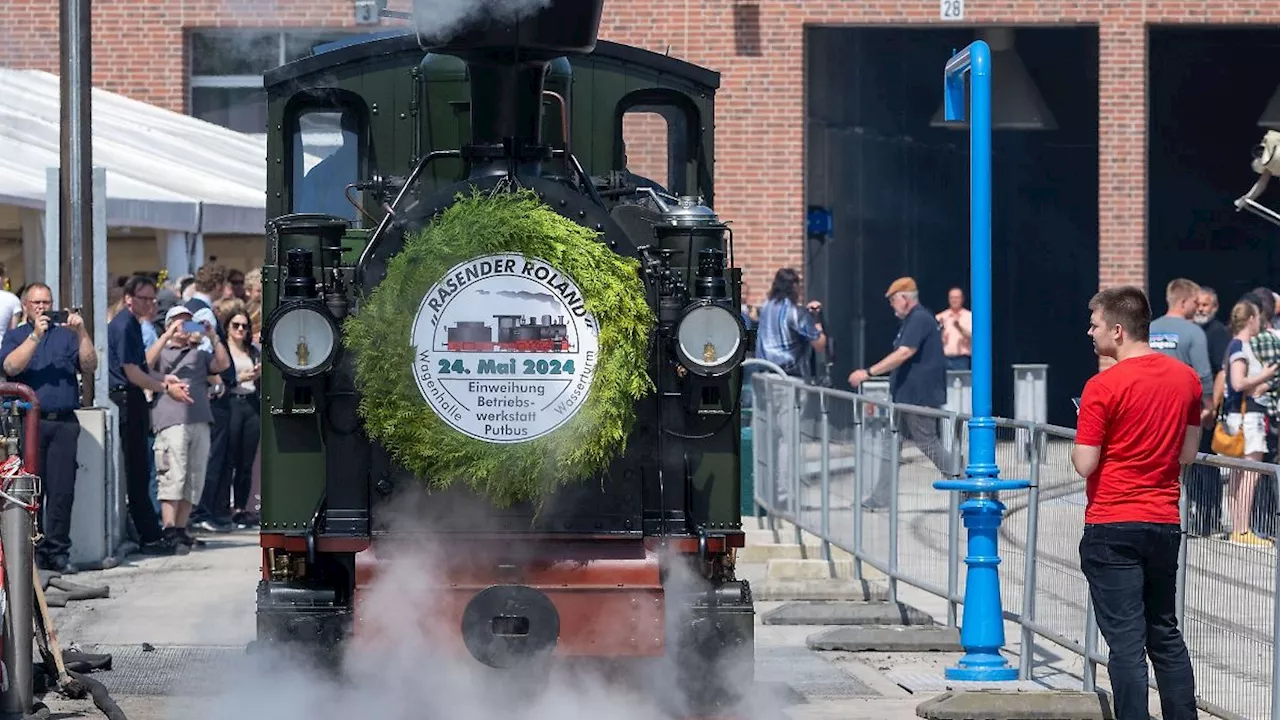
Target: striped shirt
point(784, 335)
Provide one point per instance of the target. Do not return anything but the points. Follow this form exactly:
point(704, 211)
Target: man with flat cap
point(919, 377)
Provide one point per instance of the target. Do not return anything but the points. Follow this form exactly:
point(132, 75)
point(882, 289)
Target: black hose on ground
point(46, 680)
point(39, 711)
point(101, 698)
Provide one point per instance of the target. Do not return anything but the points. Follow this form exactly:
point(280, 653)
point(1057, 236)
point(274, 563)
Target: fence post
point(959, 401)
point(1090, 646)
point(770, 420)
point(1028, 637)
point(953, 526)
point(825, 440)
point(1180, 579)
point(1275, 627)
point(1030, 392)
point(797, 465)
point(859, 473)
point(982, 632)
point(895, 451)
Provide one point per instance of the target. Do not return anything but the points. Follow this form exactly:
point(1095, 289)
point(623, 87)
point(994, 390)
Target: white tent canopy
point(165, 170)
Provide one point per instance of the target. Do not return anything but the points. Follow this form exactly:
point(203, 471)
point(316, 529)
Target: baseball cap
point(174, 312)
point(902, 284)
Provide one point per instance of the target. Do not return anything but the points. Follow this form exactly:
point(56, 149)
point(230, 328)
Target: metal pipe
point(1090, 646)
point(375, 238)
point(1275, 632)
point(30, 422)
point(953, 530)
point(1028, 638)
point(16, 536)
point(797, 465)
point(826, 486)
point(76, 186)
point(1180, 575)
point(895, 451)
point(859, 471)
point(982, 631)
point(564, 127)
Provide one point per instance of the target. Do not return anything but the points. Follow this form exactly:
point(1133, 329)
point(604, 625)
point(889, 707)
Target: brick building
point(204, 57)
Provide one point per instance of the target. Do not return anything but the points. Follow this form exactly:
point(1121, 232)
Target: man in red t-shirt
point(1139, 423)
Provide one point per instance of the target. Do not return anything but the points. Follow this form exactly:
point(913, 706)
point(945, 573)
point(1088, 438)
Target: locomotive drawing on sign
point(516, 333)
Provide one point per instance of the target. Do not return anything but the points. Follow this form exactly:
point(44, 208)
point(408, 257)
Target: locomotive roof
point(360, 48)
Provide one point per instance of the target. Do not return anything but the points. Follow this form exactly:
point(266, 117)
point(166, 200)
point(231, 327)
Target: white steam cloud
point(402, 667)
point(437, 20)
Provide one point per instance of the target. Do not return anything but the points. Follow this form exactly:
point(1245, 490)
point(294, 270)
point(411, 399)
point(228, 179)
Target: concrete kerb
point(846, 613)
point(1015, 705)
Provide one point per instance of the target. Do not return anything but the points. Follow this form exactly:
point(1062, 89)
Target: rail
point(857, 473)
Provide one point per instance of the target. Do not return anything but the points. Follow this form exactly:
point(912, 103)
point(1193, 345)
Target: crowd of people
point(191, 448)
point(183, 363)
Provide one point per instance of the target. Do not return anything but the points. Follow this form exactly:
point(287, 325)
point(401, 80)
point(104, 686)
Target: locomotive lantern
point(495, 338)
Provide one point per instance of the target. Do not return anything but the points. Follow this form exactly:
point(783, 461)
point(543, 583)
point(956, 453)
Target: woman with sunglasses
point(245, 421)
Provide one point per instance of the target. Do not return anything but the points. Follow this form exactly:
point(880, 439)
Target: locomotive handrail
point(376, 238)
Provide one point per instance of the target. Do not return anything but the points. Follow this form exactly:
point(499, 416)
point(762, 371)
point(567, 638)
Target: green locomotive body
point(371, 139)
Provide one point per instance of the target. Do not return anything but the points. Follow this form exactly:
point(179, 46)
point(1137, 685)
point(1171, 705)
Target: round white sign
point(506, 350)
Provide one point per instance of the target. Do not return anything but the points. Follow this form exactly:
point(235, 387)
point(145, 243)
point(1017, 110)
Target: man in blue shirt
point(919, 377)
point(129, 376)
point(49, 358)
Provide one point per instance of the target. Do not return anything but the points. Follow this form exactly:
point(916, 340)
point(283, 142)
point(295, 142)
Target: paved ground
point(195, 614)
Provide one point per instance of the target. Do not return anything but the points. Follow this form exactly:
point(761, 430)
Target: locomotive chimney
point(507, 59)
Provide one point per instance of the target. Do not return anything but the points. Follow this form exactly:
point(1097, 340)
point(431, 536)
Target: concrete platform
point(821, 589)
point(828, 612)
point(1015, 705)
point(887, 638)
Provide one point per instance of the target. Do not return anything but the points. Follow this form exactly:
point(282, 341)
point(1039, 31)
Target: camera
point(58, 317)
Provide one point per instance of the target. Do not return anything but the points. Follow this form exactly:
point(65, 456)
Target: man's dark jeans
point(1132, 572)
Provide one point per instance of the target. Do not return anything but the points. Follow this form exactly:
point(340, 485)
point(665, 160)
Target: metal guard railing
point(819, 453)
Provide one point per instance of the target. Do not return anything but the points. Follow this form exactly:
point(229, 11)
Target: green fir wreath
point(380, 336)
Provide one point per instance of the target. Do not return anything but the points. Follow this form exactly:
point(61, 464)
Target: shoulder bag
point(1224, 443)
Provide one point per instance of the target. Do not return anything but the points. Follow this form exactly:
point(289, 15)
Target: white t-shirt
point(10, 305)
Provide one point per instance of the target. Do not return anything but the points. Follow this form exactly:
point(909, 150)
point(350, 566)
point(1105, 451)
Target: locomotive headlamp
point(710, 336)
point(301, 335)
point(302, 340)
point(709, 339)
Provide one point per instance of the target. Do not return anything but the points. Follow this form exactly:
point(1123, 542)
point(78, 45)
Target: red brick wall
point(139, 45)
point(758, 49)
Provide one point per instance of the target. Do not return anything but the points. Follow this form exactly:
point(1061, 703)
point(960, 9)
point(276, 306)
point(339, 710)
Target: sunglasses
point(239, 326)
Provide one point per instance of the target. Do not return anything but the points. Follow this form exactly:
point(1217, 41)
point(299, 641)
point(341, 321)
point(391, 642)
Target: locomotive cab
point(369, 143)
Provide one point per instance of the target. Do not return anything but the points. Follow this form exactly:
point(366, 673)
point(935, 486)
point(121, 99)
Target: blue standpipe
point(982, 629)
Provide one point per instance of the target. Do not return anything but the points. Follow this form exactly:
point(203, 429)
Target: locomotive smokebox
point(507, 56)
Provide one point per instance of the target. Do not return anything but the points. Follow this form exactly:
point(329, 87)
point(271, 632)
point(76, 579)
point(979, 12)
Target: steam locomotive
point(368, 141)
point(515, 334)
